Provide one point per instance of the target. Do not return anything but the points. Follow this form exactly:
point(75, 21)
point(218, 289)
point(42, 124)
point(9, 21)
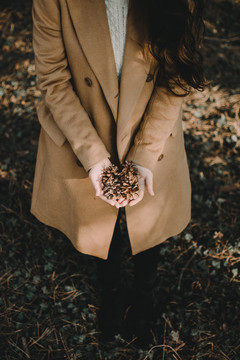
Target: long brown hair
point(173, 30)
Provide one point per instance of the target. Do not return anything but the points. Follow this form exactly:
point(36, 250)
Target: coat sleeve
point(158, 121)
point(54, 82)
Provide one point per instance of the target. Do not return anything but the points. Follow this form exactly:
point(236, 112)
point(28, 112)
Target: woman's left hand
point(145, 179)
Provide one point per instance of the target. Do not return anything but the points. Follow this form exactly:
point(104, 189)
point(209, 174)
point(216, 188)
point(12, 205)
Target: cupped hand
point(145, 179)
point(95, 177)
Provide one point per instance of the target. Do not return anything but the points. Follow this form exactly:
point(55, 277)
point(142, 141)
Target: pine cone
point(123, 182)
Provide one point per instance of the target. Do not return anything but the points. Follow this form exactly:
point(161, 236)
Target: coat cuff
point(139, 156)
point(90, 159)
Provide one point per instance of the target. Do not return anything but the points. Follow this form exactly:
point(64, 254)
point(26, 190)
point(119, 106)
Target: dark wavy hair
point(173, 31)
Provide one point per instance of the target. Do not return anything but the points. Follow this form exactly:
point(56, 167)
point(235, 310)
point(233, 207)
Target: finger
point(134, 202)
point(138, 199)
point(115, 202)
point(100, 184)
point(111, 202)
point(141, 182)
point(121, 199)
point(98, 189)
point(98, 192)
point(149, 184)
point(124, 203)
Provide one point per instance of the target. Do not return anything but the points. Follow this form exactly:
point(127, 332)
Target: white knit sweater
point(117, 11)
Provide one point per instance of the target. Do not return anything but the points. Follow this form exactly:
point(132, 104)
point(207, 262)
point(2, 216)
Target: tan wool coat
point(86, 116)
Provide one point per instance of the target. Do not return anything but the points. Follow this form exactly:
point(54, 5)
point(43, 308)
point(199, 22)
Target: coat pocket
point(61, 162)
point(49, 125)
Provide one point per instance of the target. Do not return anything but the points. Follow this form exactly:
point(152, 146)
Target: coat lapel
point(90, 21)
point(134, 74)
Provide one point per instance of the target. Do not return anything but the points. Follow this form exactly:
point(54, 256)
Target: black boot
point(141, 312)
point(113, 296)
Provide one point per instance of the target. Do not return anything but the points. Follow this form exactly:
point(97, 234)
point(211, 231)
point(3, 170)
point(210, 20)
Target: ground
point(49, 290)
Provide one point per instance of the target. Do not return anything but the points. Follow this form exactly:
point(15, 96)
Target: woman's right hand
point(95, 176)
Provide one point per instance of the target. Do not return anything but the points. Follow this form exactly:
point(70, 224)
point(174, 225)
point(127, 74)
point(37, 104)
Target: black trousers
point(145, 264)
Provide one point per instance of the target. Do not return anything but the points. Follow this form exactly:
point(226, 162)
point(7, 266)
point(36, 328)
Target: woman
point(113, 91)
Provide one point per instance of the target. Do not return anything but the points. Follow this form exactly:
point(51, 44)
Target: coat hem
point(164, 238)
point(44, 220)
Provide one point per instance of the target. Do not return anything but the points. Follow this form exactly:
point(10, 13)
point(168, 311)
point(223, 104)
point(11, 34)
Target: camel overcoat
point(86, 116)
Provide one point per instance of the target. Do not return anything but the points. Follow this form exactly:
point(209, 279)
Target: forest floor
point(49, 291)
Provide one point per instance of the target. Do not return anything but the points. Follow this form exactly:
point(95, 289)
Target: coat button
point(160, 157)
point(88, 81)
point(79, 163)
point(149, 78)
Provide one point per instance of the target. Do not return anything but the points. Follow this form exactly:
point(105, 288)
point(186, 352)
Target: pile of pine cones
point(120, 183)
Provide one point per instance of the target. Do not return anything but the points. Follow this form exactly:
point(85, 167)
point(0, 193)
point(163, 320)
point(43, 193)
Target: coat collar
point(90, 20)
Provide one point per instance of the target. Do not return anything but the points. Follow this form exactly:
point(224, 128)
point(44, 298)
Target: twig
point(234, 38)
point(64, 345)
point(15, 213)
point(164, 338)
point(184, 252)
point(185, 267)
point(25, 346)
point(15, 345)
point(225, 356)
point(162, 346)
point(46, 332)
